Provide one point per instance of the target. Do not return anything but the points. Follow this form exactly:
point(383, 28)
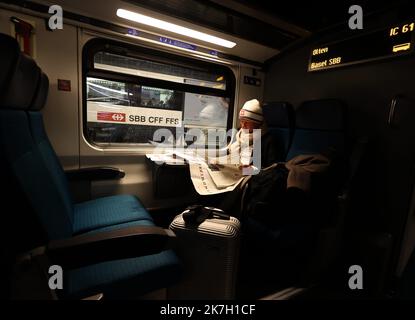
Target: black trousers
point(230, 202)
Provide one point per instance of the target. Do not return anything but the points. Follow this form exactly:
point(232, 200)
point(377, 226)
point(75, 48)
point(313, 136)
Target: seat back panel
point(320, 127)
point(280, 119)
point(32, 175)
point(50, 157)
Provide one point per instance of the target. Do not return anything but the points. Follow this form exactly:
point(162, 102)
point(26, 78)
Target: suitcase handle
point(215, 212)
point(195, 215)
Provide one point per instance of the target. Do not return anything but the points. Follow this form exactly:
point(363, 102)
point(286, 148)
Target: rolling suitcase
point(209, 253)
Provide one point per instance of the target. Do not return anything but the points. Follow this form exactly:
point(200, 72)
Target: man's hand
point(249, 170)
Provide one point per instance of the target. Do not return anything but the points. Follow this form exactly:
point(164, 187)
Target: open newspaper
point(214, 179)
point(207, 178)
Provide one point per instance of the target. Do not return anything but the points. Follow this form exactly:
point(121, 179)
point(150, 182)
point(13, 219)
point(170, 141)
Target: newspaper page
point(207, 178)
point(224, 175)
point(205, 184)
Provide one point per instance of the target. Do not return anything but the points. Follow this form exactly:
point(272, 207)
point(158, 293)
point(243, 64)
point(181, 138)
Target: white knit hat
point(252, 111)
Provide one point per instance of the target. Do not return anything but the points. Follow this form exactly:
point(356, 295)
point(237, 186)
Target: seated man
point(242, 148)
point(293, 185)
point(252, 130)
point(251, 119)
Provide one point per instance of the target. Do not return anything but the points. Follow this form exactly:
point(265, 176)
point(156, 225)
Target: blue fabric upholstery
point(311, 142)
point(124, 278)
point(32, 174)
point(127, 278)
point(108, 211)
point(50, 158)
point(37, 179)
point(320, 126)
point(92, 214)
point(280, 120)
point(138, 223)
point(282, 139)
point(116, 279)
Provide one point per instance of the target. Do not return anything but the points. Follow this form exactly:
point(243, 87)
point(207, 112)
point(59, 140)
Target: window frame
point(96, 45)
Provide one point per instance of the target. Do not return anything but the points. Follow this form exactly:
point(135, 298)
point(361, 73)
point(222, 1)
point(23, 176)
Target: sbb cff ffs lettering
point(154, 120)
point(137, 118)
point(172, 121)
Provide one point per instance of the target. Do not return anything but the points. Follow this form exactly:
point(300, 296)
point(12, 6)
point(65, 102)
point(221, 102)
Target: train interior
point(89, 90)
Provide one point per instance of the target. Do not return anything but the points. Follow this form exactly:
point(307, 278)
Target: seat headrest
point(278, 114)
point(9, 55)
point(41, 93)
point(325, 115)
point(20, 84)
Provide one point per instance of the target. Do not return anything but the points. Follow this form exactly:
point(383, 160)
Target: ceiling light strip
point(171, 27)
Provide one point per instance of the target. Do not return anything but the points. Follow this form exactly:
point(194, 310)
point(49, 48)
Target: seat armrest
point(95, 174)
point(92, 248)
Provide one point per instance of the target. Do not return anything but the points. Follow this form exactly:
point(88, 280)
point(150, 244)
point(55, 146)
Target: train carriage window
point(154, 70)
point(131, 92)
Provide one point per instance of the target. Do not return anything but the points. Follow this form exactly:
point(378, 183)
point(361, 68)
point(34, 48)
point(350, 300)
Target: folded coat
point(302, 167)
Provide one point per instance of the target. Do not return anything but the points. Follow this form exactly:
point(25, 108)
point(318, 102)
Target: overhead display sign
point(108, 113)
point(391, 42)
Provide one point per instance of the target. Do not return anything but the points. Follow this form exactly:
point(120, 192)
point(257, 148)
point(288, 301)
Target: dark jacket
point(296, 188)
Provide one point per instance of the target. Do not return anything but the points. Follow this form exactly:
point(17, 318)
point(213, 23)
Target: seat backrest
point(280, 120)
point(320, 126)
point(19, 90)
point(43, 144)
